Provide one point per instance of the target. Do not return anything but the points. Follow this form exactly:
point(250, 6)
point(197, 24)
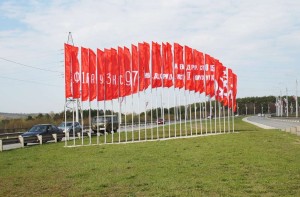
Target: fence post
point(1, 146)
point(55, 137)
point(40, 138)
point(21, 139)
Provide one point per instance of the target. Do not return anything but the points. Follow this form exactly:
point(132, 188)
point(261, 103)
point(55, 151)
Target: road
point(271, 123)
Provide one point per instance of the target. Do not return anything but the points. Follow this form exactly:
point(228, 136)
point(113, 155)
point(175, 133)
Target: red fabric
point(92, 78)
point(179, 69)
point(127, 65)
point(189, 69)
point(143, 62)
point(209, 76)
point(221, 82)
point(147, 74)
point(75, 73)
point(72, 72)
point(85, 74)
point(115, 74)
point(100, 75)
point(225, 87)
point(234, 90)
point(108, 75)
point(135, 69)
point(156, 65)
point(230, 88)
point(199, 73)
point(147, 65)
point(167, 65)
point(68, 70)
point(122, 72)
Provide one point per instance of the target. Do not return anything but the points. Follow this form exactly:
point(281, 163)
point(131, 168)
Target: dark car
point(106, 123)
point(68, 126)
point(42, 129)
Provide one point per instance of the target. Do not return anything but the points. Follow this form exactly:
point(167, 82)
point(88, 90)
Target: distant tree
point(29, 117)
point(40, 116)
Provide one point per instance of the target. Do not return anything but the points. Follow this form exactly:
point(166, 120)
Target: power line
point(28, 81)
point(29, 66)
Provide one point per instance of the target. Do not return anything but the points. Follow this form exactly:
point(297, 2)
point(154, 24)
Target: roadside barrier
point(33, 139)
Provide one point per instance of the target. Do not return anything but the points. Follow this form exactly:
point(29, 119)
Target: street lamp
point(246, 108)
point(254, 108)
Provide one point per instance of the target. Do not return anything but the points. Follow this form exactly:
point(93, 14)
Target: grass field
point(250, 162)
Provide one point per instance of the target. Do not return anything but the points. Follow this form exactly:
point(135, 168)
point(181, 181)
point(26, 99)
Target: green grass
point(251, 162)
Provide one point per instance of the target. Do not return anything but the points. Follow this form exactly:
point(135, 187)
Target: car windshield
point(38, 128)
point(98, 119)
point(68, 124)
point(105, 119)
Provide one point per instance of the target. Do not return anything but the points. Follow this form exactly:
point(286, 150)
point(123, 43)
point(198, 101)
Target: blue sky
point(259, 40)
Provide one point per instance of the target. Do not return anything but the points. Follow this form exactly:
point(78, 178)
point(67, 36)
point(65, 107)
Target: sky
point(258, 39)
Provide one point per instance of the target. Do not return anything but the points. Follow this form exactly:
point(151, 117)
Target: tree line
point(245, 106)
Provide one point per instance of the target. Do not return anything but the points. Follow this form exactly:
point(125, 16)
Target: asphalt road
point(272, 123)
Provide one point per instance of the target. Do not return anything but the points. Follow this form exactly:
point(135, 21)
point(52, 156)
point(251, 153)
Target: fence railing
point(14, 130)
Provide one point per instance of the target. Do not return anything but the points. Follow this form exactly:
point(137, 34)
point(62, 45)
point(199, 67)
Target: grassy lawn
point(250, 162)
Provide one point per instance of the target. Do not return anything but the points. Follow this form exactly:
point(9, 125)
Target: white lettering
point(93, 79)
point(76, 77)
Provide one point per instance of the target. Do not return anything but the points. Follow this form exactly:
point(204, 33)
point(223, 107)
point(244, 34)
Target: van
point(106, 123)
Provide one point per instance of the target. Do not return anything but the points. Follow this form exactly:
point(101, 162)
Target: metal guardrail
point(10, 135)
point(14, 130)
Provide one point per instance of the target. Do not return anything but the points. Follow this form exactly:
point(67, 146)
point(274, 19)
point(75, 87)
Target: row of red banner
point(112, 73)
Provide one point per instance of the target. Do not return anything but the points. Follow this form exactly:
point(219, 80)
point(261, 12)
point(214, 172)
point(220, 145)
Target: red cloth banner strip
point(111, 74)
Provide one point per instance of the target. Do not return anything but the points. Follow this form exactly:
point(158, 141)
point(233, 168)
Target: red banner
point(209, 76)
point(144, 57)
point(118, 73)
point(127, 65)
point(189, 68)
point(68, 70)
point(179, 69)
point(72, 72)
point(92, 78)
point(232, 89)
point(199, 72)
point(220, 74)
point(101, 75)
point(147, 73)
point(85, 74)
point(156, 65)
point(121, 66)
point(135, 69)
point(114, 74)
point(108, 74)
point(167, 65)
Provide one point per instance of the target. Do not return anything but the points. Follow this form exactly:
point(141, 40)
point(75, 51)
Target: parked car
point(160, 121)
point(68, 127)
point(106, 123)
point(42, 129)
